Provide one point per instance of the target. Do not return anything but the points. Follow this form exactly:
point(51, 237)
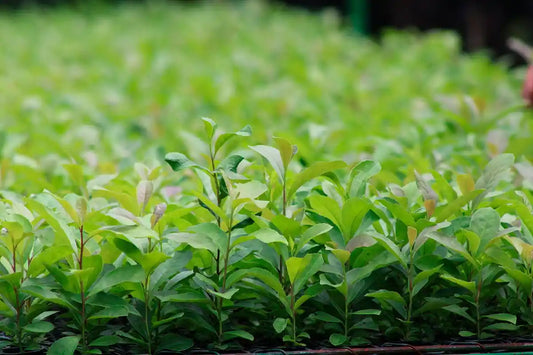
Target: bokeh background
point(482, 24)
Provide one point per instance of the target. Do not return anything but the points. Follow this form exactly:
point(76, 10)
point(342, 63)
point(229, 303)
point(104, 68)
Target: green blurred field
point(109, 86)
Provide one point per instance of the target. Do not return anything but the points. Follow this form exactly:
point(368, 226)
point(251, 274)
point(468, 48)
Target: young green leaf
point(64, 346)
point(273, 156)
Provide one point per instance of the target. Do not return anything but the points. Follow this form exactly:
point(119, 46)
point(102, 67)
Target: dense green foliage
point(352, 192)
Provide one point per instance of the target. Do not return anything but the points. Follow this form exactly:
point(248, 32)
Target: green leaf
point(466, 183)
point(64, 234)
point(312, 232)
point(127, 273)
point(327, 207)
point(399, 212)
point(183, 297)
point(452, 244)
point(313, 171)
point(50, 255)
point(209, 126)
point(367, 312)
point(152, 260)
point(129, 249)
point(206, 236)
point(280, 324)
point(392, 298)
point(265, 276)
point(273, 156)
point(179, 161)
point(391, 248)
point(232, 334)
point(342, 255)
point(326, 317)
point(337, 339)
point(230, 163)
point(294, 264)
point(454, 207)
point(167, 320)
point(75, 172)
point(300, 270)
point(225, 295)
point(466, 334)
point(175, 343)
point(126, 200)
point(110, 312)
point(250, 190)
point(485, 223)
point(461, 311)
point(421, 279)
point(106, 340)
point(64, 346)
point(501, 326)
point(267, 236)
point(286, 150)
point(223, 138)
point(469, 285)
point(495, 171)
point(525, 281)
point(69, 209)
point(353, 212)
point(39, 327)
point(504, 317)
point(360, 175)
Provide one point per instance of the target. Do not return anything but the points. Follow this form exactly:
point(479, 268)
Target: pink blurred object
point(527, 92)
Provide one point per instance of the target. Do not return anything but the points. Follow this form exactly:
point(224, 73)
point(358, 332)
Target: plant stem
point(410, 289)
point(284, 212)
point(284, 199)
point(226, 257)
point(146, 315)
point(18, 306)
point(217, 193)
point(478, 296)
point(82, 294)
point(219, 316)
point(346, 317)
point(293, 316)
point(220, 300)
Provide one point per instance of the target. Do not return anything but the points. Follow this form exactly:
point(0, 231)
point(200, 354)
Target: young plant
point(74, 261)
point(280, 158)
point(23, 315)
point(477, 246)
point(354, 220)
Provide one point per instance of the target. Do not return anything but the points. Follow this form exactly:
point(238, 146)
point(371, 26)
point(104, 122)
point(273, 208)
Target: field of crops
point(342, 192)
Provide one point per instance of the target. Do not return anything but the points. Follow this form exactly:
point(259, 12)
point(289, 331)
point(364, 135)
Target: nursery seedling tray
point(463, 348)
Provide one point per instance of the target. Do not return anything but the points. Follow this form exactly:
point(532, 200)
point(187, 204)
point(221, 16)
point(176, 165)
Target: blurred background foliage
point(482, 24)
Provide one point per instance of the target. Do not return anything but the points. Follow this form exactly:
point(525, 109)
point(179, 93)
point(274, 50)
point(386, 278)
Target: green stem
point(226, 257)
point(410, 287)
point(219, 199)
point(18, 307)
point(219, 315)
point(82, 294)
point(478, 317)
point(284, 202)
point(146, 315)
point(224, 276)
point(293, 316)
point(284, 212)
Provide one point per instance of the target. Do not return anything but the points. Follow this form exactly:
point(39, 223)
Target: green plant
point(24, 317)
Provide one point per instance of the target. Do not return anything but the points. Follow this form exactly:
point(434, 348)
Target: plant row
point(243, 250)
